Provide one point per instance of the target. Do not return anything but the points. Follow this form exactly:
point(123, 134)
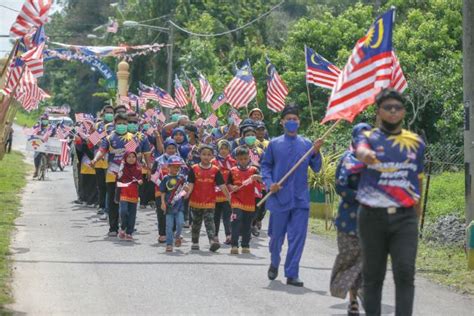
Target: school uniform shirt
point(393, 181)
point(101, 163)
point(224, 165)
point(244, 198)
point(114, 145)
point(263, 143)
point(281, 155)
point(205, 181)
point(170, 187)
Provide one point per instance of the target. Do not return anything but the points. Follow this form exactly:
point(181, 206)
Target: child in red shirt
point(202, 181)
point(129, 177)
point(243, 184)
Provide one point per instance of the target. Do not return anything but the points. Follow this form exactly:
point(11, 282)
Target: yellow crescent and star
point(313, 60)
point(369, 42)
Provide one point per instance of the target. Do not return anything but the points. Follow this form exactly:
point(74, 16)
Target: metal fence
point(443, 158)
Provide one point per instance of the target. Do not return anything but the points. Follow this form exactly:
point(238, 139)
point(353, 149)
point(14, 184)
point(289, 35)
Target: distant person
point(389, 194)
point(9, 137)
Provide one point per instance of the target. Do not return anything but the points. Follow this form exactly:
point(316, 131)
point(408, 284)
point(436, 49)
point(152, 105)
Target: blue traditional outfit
point(289, 207)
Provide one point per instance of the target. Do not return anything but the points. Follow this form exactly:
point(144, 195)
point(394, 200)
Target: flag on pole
point(15, 71)
point(28, 93)
point(234, 115)
point(179, 93)
point(96, 137)
point(193, 95)
point(276, 89)
point(165, 99)
point(33, 57)
point(131, 145)
point(206, 89)
point(319, 71)
point(65, 153)
point(219, 102)
point(147, 92)
point(33, 13)
point(242, 88)
point(399, 81)
point(368, 70)
point(212, 120)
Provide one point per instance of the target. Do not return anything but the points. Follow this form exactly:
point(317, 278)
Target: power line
point(230, 31)
point(11, 9)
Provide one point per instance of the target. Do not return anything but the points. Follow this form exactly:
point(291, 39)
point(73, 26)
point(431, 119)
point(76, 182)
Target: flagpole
point(309, 103)
point(7, 62)
point(306, 155)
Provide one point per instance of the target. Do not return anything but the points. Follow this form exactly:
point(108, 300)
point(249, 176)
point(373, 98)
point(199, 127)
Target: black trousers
point(241, 222)
point(382, 234)
point(8, 145)
point(101, 187)
point(260, 211)
point(89, 188)
point(113, 207)
point(161, 217)
point(146, 191)
point(223, 211)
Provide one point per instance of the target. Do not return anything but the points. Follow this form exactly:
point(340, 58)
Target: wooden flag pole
point(7, 62)
point(309, 104)
point(306, 155)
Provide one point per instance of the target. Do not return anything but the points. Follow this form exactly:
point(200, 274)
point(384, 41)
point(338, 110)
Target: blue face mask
point(291, 126)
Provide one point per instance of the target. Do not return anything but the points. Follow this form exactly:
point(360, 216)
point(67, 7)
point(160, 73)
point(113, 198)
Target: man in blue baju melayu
point(289, 203)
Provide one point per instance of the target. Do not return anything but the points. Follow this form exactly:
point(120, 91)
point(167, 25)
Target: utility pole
point(468, 88)
point(170, 57)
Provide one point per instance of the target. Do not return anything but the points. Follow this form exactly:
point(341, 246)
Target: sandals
point(353, 308)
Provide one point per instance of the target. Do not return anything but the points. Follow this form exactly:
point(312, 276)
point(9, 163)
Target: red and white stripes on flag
point(319, 71)
point(125, 101)
point(14, 73)
point(179, 93)
point(399, 81)
point(212, 120)
point(193, 95)
point(165, 99)
point(206, 89)
point(242, 88)
point(131, 145)
point(276, 89)
point(65, 153)
point(96, 137)
point(219, 102)
point(33, 13)
point(34, 43)
point(28, 93)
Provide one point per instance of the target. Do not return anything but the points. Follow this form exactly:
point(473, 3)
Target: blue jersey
point(393, 181)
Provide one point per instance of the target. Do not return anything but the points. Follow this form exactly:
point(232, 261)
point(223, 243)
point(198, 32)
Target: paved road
point(65, 265)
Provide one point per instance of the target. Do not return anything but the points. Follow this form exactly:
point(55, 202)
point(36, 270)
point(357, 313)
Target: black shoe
point(78, 202)
point(294, 282)
point(272, 273)
point(214, 246)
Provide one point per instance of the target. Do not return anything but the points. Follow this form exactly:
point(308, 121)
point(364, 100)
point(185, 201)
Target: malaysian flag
point(242, 88)
point(33, 57)
point(212, 120)
point(65, 153)
point(96, 137)
point(319, 71)
point(368, 70)
point(33, 13)
point(147, 92)
point(15, 71)
point(193, 94)
point(179, 93)
point(84, 117)
point(165, 99)
point(234, 115)
point(131, 145)
point(219, 102)
point(28, 93)
point(206, 89)
point(399, 81)
point(276, 89)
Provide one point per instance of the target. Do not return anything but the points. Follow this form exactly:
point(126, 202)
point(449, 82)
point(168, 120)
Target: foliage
point(446, 195)
point(12, 179)
point(427, 39)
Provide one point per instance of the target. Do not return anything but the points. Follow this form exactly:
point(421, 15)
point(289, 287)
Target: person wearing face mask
point(115, 146)
point(389, 194)
point(44, 129)
point(249, 140)
point(289, 203)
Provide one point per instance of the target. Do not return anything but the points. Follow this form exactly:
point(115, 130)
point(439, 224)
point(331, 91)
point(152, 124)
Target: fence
point(443, 158)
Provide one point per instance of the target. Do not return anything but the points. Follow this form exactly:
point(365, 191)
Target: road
point(65, 265)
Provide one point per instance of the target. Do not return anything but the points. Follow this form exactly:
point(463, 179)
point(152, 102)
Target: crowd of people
point(194, 172)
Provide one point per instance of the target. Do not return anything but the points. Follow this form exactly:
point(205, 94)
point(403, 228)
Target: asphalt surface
point(65, 265)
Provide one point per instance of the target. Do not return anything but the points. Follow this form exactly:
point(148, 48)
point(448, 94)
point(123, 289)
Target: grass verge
point(24, 118)
point(12, 180)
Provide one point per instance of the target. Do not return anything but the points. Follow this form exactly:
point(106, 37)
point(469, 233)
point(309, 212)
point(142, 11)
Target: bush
point(446, 195)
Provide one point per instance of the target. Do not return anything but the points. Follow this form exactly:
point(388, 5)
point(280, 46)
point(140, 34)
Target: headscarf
point(130, 172)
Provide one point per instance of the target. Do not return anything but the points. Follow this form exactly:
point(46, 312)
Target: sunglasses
point(391, 107)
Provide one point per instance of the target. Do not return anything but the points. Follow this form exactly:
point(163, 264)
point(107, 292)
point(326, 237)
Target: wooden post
point(425, 197)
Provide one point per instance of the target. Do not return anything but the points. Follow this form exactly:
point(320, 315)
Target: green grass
point(24, 118)
point(12, 179)
point(321, 228)
point(446, 195)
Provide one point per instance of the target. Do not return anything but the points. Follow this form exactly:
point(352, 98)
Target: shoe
point(128, 237)
point(186, 224)
point(112, 234)
point(100, 211)
point(245, 250)
point(35, 175)
point(353, 308)
point(214, 246)
point(177, 243)
point(104, 217)
point(227, 240)
point(255, 231)
point(272, 273)
point(121, 234)
point(142, 206)
point(294, 282)
point(162, 239)
point(234, 251)
point(78, 202)
point(169, 248)
point(195, 247)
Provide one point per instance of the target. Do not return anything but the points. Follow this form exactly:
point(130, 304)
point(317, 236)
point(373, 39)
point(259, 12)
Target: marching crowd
point(197, 172)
